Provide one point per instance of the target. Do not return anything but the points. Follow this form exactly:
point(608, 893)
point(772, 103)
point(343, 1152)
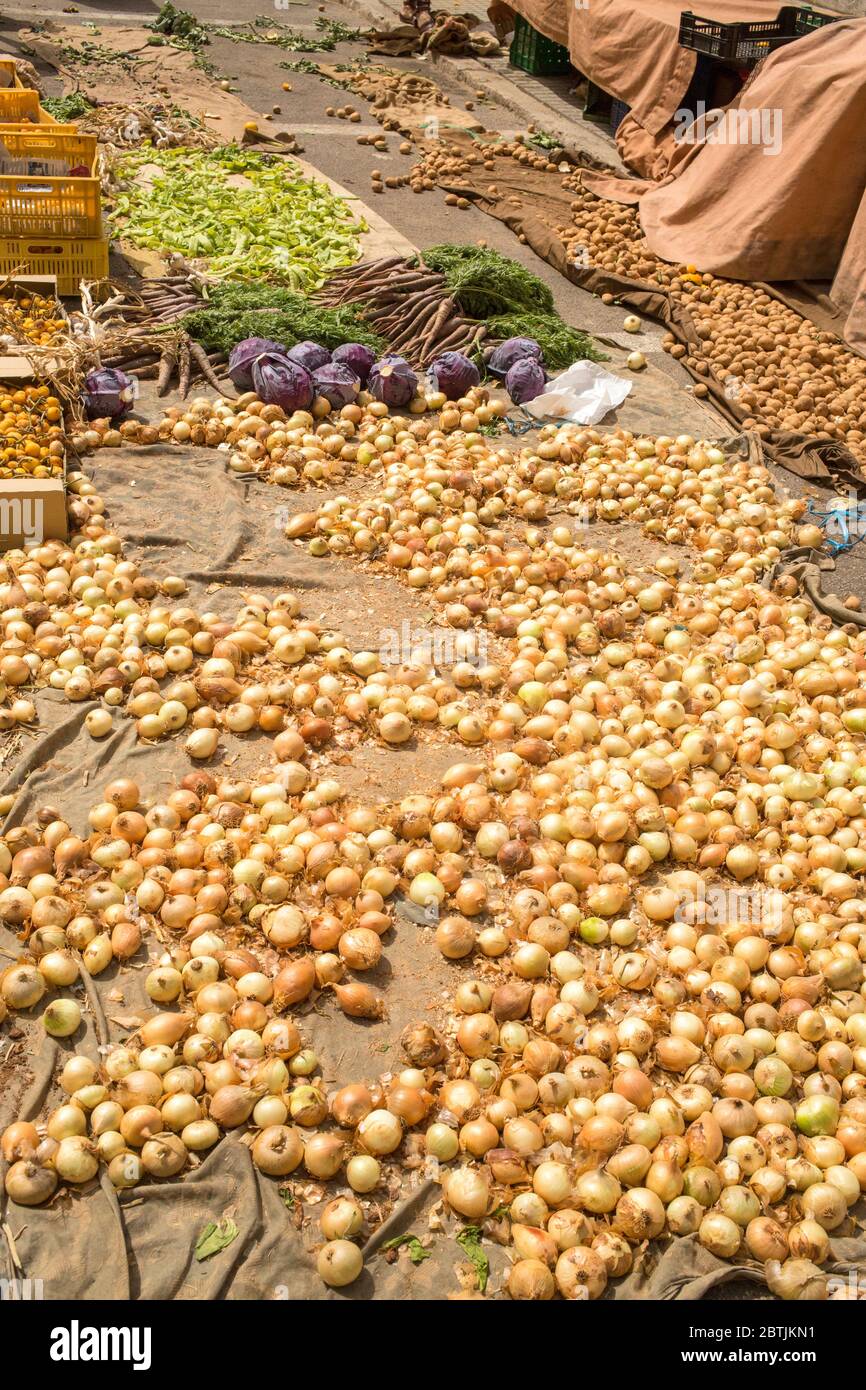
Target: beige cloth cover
point(630, 48)
point(737, 209)
point(549, 17)
point(849, 286)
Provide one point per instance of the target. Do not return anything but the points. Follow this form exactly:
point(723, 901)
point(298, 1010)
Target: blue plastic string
point(843, 523)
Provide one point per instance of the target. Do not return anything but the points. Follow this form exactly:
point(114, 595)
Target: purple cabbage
point(280, 381)
point(392, 381)
point(525, 380)
point(108, 393)
point(358, 358)
point(244, 354)
point(454, 374)
point(337, 383)
point(310, 355)
point(511, 351)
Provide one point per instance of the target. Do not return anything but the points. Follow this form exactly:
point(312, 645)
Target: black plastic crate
point(704, 35)
point(748, 43)
point(597, 104)
point(618, 113)
point(534, 53)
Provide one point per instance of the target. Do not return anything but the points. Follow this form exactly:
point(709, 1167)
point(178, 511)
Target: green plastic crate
point(534, 53)
point(806, 20)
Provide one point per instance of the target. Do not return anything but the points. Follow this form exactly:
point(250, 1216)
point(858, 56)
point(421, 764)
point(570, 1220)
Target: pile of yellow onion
point(648, 873)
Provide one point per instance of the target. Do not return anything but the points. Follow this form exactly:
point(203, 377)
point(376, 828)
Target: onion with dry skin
point(654, 853)
point(277, 1150)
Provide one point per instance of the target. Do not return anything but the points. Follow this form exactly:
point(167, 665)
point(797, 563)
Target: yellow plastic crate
point(49, 142)
point(28, 128)
point(33, 206)
point(70, 259)
point(53, 205)
point(9, 74)
point(22, 104)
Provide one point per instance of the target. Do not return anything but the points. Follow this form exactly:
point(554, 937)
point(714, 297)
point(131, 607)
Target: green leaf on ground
point(417, 1253)
point(215, 1237)
point(469, 1241)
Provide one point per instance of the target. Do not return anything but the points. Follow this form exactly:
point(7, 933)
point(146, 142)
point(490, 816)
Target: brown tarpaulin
point(549, 17)
point(849, 286)
point(631, 49)
point(777, 198)
point(797, 216)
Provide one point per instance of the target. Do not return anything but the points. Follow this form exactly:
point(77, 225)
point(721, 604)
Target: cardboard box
point(15, 371)
point(46, 285)
point(32, 510)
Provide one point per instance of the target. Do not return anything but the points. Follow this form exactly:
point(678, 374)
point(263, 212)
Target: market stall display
point(50, 196)
point(245, 215)
point(571, 218)
point(457, 298)
point(572, 985)
point(30, 312)
point(32, 432)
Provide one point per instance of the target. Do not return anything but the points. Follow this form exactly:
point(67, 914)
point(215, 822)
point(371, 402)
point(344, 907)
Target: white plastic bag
point(584, 394)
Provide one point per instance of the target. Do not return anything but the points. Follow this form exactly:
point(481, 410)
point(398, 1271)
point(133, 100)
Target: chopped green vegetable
point(250, 216)
point(237, 311)
point(469, 1241)
point(289, 1199)
point(417, 1253)
point(97, 55)
point(307, 65)
point(179, 24)
point(543, 140)
point(185, 31)
point(331, 32)
point(68, 108)
point(215, 1237)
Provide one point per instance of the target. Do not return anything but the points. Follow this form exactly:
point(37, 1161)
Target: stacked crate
point(535, 54)
point(746, 43)
point(32, 508)
point(50, 218)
